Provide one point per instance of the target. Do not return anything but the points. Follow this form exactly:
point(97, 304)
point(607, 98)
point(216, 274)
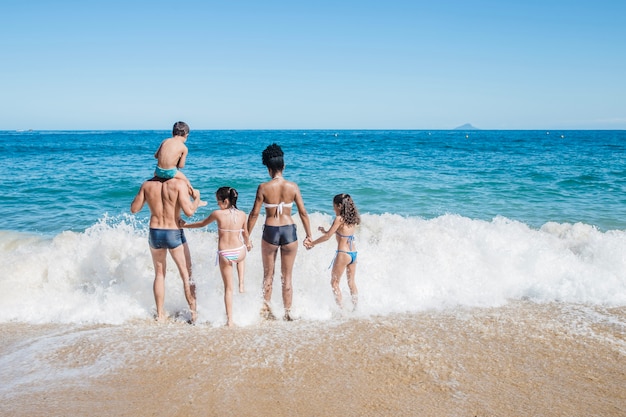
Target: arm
point(256, 208)
point(156, 154)
point(187, 206)
point(245, 234)
point(183, 158)
point(138, 201)
point(328, 233)
point(304, 216)
point(210, 219)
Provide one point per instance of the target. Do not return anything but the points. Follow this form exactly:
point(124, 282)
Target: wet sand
point(522, 359)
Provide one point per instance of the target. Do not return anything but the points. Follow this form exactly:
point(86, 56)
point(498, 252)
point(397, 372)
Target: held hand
point(181, 223)
point(308, 243)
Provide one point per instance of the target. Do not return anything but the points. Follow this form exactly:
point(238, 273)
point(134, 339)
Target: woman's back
point(279, 196)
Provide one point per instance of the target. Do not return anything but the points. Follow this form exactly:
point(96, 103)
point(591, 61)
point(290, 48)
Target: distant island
point(466, 126)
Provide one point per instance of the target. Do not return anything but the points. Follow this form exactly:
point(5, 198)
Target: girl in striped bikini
point(233, 242)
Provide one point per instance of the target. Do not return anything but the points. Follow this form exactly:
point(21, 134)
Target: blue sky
point(112, 64)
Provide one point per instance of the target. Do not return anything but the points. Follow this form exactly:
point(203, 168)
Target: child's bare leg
point(241, 269)
point(354, 292)
point(335, 276)
point(226, 269)
point(334, 283)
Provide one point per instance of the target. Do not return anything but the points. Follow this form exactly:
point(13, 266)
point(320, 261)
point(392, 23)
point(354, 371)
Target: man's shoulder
point(163, 185)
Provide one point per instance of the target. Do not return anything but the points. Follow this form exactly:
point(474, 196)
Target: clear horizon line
point(310, 129)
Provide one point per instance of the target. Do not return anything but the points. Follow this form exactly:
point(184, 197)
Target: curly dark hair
point(347, 209)
point(273, 157)
point(229, 193)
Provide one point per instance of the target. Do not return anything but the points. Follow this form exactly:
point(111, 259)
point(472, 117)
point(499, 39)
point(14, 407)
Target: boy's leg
point(182, 176)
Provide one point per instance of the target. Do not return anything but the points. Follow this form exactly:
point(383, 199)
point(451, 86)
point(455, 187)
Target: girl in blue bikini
point(343, 227)
point(233, 242)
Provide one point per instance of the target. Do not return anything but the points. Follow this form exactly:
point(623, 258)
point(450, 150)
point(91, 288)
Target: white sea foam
point(105, 274)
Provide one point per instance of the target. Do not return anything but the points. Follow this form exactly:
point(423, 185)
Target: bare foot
point(202, 203)
point(194, 316)
point(287, 316)
point(266, 312)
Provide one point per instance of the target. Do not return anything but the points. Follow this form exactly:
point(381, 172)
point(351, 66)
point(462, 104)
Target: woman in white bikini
point(279, 232)
point(233, 242)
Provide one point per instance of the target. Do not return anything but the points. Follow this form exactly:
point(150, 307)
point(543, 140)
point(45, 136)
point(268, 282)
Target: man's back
point(164, 200)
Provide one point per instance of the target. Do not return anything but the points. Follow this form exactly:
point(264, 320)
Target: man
point(166, 198)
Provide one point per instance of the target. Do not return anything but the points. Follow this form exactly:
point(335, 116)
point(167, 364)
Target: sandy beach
point(522, 359)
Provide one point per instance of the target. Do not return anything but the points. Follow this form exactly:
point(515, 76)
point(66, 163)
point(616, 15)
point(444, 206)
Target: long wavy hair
point(347, 209)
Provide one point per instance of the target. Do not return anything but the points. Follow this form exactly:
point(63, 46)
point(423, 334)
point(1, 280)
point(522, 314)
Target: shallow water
point(521, 359)
point(105, 274)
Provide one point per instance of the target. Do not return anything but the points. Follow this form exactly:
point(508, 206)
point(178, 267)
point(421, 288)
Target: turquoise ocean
point(469, 218)
point(491, 274)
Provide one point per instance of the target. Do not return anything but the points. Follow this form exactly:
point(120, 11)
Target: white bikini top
point(279, 207)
